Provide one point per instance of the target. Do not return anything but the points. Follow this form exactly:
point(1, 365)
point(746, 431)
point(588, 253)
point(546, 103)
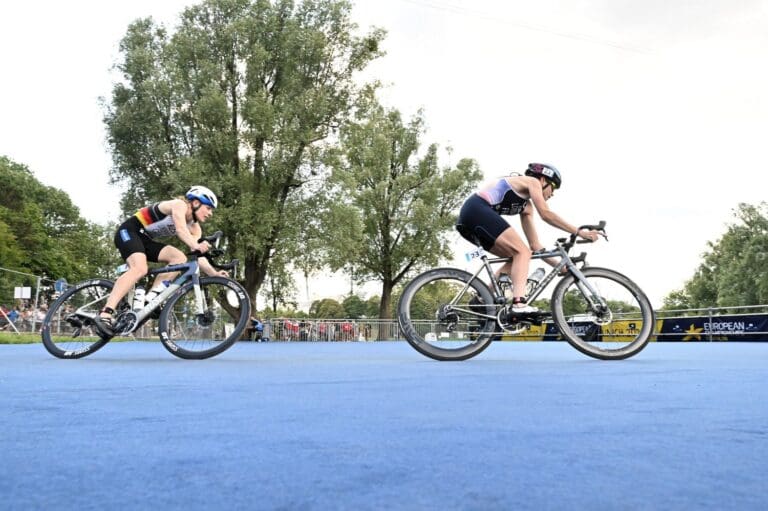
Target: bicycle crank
point(125, 322)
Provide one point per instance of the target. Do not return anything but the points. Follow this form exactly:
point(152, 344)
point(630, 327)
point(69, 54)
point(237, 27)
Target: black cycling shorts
point(478, 223)
point(131, 238)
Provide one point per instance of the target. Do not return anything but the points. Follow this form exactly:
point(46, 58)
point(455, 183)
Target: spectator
point(347, 331)
point(255, 330)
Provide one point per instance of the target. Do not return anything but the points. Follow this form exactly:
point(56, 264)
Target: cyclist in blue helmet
point(480, 221)
point(136, 239)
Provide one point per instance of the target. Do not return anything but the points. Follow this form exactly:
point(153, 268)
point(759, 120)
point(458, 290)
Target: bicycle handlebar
point(215, 251)
point(573, 238)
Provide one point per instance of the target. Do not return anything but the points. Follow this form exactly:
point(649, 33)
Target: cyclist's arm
point(206, 268)
point(526, 219)
point(188, 235)
point(552, 218)
point(546, 214)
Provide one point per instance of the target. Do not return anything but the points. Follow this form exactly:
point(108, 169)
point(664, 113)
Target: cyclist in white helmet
point(136, 241)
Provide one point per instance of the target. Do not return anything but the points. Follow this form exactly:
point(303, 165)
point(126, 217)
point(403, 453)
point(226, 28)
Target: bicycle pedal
point(526, 317)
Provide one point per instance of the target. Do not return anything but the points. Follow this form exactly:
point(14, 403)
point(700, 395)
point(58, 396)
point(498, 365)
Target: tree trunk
point(386, 299)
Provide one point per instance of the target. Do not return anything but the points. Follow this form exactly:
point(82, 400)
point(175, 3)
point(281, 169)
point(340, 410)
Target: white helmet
point(204, 195)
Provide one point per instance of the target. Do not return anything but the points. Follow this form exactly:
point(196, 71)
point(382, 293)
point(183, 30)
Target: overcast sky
point(654, 111)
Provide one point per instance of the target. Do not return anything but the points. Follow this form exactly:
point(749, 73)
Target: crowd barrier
point(695, 328)
point(746, 323)
point(327, 330)
point(684, 325)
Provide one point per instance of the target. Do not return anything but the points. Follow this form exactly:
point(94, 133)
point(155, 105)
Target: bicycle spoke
point(606, 317)
point(68, 330)
point(444, 318)
point(192, 333)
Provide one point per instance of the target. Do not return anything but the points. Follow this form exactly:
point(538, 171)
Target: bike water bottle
point(138, 298)
point(534, 279)
point(157, 290)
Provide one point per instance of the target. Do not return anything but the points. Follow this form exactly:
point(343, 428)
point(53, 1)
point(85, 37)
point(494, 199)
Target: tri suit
point(138, 232)
point(480, 219)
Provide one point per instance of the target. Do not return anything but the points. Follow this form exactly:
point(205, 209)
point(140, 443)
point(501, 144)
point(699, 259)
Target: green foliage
point(327, 308)
point(279, 288)
point(431, 297)
point(372, 307)
point(734, 270)
point(393, 205)
point(42, 233)
point(677, 300)
point(11, 254)
point(574, 304)
point(238, 99)
point(354, 307)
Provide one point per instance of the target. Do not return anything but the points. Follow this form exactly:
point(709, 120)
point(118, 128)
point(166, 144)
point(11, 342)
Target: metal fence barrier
point(24, 314)
point(22, 300)
point(329, 330)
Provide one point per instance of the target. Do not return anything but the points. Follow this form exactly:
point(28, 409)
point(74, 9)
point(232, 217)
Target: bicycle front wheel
point(607, 317)
point(191, 333)
point(446, 314)
point(68, 330)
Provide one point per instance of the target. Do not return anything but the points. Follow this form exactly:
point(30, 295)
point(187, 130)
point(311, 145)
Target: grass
point(31, 338)
point(23, 338)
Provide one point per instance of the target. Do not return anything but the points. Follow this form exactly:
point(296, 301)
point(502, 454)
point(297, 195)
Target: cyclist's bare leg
point(137, 268)
point(510, 244)
point(168, 255)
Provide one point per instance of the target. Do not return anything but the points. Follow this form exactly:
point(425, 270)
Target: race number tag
point(479, 252)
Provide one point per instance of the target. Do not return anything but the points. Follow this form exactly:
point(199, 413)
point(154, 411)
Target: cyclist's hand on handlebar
point(201, 247)
point(588, 234)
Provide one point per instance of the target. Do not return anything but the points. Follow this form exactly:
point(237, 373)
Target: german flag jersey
point(155, 223)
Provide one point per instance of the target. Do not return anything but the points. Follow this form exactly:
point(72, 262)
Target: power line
point(455, 9)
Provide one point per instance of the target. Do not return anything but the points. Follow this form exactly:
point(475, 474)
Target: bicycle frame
point(191, 271)
point(561, 251)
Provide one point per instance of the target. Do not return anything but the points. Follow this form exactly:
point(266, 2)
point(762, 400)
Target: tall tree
point(733, 271)
point(237, 99)
point(393, 205)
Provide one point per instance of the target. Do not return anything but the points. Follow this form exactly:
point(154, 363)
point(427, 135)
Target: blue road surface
point(370, 426)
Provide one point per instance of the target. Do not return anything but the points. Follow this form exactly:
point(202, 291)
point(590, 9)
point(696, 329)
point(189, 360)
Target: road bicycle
point(451, 314)
point(198, 317)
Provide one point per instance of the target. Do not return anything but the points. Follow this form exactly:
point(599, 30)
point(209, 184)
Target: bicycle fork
point(596, 302)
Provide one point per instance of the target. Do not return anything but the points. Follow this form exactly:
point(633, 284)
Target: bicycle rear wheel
point(618, 328)
point(68, 330)
point(191, 335)
point(440, 314)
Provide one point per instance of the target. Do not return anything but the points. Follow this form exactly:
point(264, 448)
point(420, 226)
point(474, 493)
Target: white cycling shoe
point(523, 308)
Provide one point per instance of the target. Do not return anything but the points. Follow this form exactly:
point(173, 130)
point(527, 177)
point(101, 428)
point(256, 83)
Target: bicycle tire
point(71, 335)
point(420, 308)
point(625, 327)
point(189, 335)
